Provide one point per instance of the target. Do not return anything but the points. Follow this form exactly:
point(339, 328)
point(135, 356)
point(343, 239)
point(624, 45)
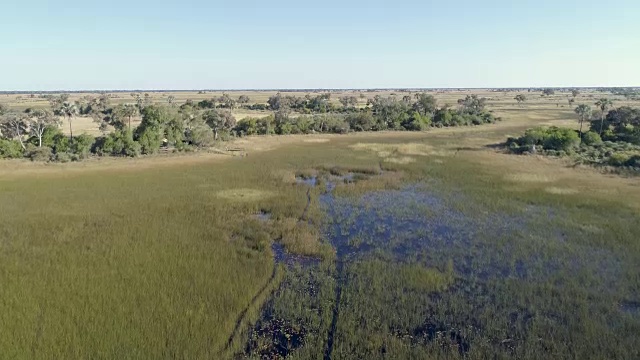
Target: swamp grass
point(531, 274)
point(162, 262)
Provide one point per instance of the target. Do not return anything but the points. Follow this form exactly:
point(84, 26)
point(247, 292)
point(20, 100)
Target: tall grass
point(163, 262)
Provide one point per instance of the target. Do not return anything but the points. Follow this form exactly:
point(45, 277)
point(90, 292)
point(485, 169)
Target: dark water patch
point(336, 311)
point(309, 181)
point(434, 333)
point(263, 216)
point(630, 307)
point(282, 256)
point(276, 339)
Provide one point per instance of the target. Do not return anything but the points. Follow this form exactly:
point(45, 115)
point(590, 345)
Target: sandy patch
point(321, 140)
point(529, 178)
point(243, 194)
point(411, 149)
point(400, 160)
point(561, 191)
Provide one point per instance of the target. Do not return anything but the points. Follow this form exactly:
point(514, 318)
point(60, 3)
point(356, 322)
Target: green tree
point(591, 138)
point(472, 104)
point(443, 117)
point(56, 101)
point(10, 149)
point(38, 122)
point(348, 101)
point(156, 120)
point(82, 145)
point(119, 143)
point(426, 104)
point(243, 99)
point(219, 121)
point(389, 112)
point(277, 101)
point(604, 104)
point(548, 91)
point(129, 111)
point(227, 101)
point(361, 121)
point(417, 122)
point(68, 110)
point(13, 126)
point(584, 113)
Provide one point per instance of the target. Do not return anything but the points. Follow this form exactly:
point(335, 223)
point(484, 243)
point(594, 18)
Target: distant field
point(552, 108)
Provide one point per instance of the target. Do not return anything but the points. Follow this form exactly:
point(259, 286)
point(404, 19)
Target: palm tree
point(129, 111)
point(603, 104)
point(68, 110)
point(584, 112)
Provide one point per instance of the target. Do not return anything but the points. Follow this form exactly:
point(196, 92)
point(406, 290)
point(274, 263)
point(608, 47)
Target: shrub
point(62, 157)
point(118, 143)
point(150, 139)
point(618, 159)
point(553, 138)
point(60, 143)
point(591, 138)
point(633, 161)
point(533, 137)
point(417, 122)
point(561, 139)
point(362, 121)
point(331, 123)
point(443, 117)
point(10, 149)
point(82, 145)
point(39, 153)
point(200, 135)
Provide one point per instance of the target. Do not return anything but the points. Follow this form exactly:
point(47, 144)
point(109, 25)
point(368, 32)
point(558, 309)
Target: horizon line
point(311, 89)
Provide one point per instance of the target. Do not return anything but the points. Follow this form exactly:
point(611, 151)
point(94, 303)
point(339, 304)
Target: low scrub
point(563, 142)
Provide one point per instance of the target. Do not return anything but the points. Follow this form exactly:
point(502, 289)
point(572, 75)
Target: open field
point(433, 245)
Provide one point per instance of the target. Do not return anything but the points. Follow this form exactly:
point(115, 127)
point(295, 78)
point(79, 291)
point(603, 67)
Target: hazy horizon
point(72, 45)
point(313, 89)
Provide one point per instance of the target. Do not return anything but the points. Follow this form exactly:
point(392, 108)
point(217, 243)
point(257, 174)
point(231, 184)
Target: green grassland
point(164, 257)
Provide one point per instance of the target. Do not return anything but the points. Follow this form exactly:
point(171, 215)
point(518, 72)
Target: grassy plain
point(162, 257)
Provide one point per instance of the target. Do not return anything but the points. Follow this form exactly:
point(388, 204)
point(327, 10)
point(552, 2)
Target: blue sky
point(197, 44)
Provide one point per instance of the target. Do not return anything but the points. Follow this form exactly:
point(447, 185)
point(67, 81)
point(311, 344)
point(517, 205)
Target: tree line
point(612, 137)
point(36, 133)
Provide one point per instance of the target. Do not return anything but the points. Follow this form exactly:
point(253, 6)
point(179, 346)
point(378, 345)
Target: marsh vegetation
point(372, 245)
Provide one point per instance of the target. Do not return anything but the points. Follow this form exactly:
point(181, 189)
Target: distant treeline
point(36, 134)
point(614, 90)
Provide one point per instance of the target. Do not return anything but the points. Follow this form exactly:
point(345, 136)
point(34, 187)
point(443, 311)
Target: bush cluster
point(560, 142)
